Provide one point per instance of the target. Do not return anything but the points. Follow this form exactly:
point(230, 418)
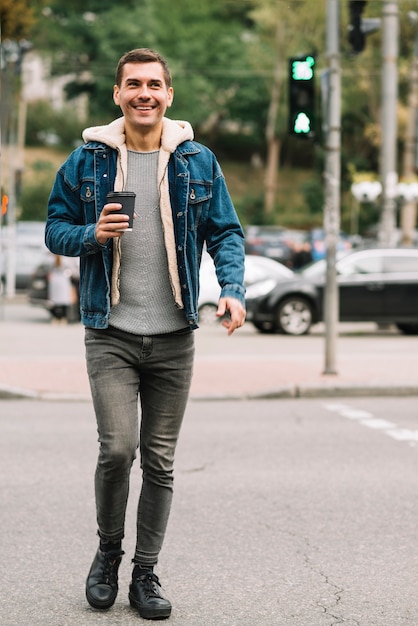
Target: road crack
point(330, 605)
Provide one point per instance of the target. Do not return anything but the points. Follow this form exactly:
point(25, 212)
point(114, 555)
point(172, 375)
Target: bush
point(46, 126)
point(250, 210)
point(33, 198)
point(313, 194)
point(34, 201)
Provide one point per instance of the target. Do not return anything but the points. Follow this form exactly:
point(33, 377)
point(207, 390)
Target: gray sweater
point(146, 306)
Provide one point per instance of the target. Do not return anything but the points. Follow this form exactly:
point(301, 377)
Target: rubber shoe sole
point(96, 604)
point(150, 613)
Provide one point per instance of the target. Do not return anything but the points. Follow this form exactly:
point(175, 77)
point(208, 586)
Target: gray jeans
point(158, 369)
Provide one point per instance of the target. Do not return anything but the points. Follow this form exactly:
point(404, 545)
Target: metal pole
point(389, 176)
point(332, 185)
point(11, 139)
point(408, 212)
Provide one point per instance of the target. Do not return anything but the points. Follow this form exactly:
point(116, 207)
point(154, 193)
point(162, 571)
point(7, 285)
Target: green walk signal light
point(302, 124)
point(302, 69)
point(302, 96)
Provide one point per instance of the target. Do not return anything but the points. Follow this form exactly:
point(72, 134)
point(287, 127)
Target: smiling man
point(138, 302)
point(143, 95)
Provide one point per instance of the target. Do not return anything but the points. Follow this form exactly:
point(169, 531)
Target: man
point(138, 301)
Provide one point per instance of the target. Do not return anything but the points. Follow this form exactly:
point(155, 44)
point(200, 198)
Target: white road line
point(402, 434)
point(378, 424)
point(370, 421)
point(354, 414)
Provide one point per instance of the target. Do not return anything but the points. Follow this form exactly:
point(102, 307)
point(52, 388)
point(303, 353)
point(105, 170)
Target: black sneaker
point(145, 596)
point(102, 581)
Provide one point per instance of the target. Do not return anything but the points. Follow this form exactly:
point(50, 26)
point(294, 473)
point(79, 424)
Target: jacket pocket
point(87, 191)
point(88, 200)
point(200, 195)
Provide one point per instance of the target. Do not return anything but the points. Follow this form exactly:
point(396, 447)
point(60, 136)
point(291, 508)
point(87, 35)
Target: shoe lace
point(149, 583)
point(110, 562)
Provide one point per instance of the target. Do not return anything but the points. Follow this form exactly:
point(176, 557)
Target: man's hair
point(143, 55)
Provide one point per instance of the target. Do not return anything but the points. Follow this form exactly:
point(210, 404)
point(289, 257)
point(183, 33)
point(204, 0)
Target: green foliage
point(48, 125)
point(250, 209)
point(313, 193)
point(34, 197)
point(17, 18)
point(223, 55)
point(201, 40)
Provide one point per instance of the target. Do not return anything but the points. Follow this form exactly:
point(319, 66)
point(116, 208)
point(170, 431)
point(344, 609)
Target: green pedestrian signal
point(302, 124)
point(303, 69)
point(302, 96)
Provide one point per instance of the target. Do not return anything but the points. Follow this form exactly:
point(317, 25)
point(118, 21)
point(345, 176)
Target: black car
point(375, 285)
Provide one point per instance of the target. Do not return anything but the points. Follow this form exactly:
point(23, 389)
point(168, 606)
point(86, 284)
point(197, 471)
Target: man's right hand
point(111, 225)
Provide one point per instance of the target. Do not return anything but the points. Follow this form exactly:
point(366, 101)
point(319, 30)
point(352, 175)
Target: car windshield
point(317, 268)
point(259, 268)
point(360, 264)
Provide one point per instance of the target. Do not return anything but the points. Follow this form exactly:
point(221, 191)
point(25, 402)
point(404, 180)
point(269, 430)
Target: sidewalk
point(42, 360)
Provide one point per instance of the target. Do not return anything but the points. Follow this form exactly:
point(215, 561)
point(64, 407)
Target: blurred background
point(233, 80)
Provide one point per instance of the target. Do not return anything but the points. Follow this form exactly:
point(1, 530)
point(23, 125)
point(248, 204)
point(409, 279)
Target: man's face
point(143, 95)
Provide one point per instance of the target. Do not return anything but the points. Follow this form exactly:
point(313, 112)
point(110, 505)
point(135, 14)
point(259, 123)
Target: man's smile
point(144, 107)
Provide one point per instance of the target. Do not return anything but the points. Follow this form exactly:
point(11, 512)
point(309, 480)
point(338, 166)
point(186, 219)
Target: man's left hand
point(233, 308)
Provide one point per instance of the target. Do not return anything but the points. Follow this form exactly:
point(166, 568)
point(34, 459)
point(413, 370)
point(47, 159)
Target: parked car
point(274, 242)
point(29, 251)
point(375, 285)
point(261, 274)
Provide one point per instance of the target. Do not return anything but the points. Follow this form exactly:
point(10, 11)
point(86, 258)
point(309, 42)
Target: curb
point(285, 392)
point(317, 391)
point(16, 393)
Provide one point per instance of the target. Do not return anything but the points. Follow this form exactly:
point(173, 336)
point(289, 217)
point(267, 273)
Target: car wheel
point(294, 316)
point(264, 327)
point(408, 329)
point(207, 314)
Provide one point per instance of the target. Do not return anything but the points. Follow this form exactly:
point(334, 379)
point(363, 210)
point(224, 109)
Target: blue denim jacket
point(202, 211)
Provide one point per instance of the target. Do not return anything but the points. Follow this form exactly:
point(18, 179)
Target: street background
point(288, 511)
point(41, 359)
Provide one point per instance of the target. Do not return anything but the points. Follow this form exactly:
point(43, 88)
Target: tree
point(284, 30)
point(17, 17)
point(203, 42)
point(229, 63)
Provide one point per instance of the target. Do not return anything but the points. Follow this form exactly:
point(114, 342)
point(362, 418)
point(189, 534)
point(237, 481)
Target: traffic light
point(359, 27)
point(356, 36)
point(4, 204)
point(302, 96)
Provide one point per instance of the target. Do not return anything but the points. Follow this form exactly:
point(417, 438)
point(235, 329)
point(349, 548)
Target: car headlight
point(261, 288)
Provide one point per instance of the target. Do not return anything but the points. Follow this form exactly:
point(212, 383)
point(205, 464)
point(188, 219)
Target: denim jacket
point(202, 211)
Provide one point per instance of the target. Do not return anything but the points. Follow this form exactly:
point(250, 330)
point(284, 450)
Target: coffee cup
point(127, 200)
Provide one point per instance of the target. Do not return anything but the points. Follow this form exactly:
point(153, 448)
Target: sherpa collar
point(174, 133)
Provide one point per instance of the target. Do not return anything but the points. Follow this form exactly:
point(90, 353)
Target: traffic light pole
point(389, 177)
point(409, 208)
point(332, 184)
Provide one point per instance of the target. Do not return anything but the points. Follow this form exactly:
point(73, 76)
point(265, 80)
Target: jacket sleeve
point(225, 239)
point(71, 222)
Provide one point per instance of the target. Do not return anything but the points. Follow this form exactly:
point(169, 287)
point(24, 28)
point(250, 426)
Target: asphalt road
point(286, 513)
